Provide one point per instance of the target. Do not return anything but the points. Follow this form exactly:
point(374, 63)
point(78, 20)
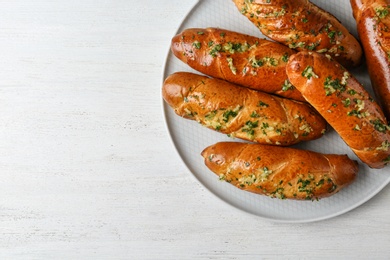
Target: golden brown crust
point(373, 23)
point(238, 58)
point(344, 104)
point(240, 112)
point(302, 25)
point(280, 172)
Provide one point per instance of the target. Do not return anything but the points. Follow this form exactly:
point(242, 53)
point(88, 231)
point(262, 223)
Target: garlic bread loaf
point(241, 112)
point(373, 23)
point(280, 172)
point(238, 58)
point(302, 25)
point(344, 104)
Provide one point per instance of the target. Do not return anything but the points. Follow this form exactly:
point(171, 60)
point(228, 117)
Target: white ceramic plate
point(190, 138)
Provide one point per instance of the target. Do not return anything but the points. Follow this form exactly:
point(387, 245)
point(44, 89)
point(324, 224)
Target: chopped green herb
point(265, 172)
point(264, 127)
point(328, 25)
point(309, 73)
point(273, 61)
point(197, 45)
point(379, 125)
point(256, 63)
point(262, 104)
point(278, 193)
point(346, 102)
point(353, 113)
point(287, 85)
point(381, 12)
point(211, 115)
point(332, 86)
point(251, 124)
point(213, 52)
point(235, 47)
point(312, 46)
point(249, 127)
point(255, 114)
point(331, 34)
point(285, 57)
point(227, 114)
point(190, 113)
point(295, 45)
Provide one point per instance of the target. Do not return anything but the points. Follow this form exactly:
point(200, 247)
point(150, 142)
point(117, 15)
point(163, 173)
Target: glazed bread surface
point(373, 23)
point(238, 58)
point(241, 112)
point(302, 25)
point(344, 104)
point(280, 172)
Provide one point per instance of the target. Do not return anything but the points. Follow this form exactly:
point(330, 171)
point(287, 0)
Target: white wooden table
point(87, 169)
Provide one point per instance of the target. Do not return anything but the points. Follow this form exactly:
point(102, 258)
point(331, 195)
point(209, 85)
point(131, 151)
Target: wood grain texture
point(87, 168)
